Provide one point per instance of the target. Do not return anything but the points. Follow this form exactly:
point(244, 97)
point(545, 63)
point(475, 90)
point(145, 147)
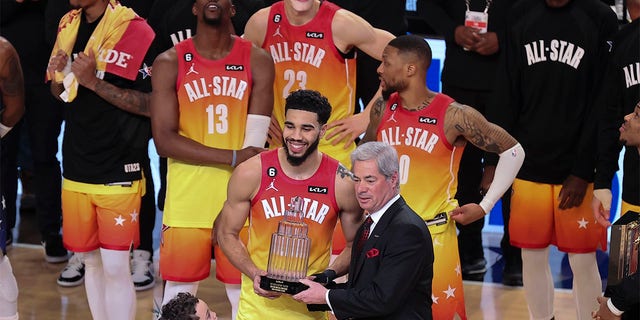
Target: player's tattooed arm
point(344, 172)
point(374, 120)
point(464, 121)
point(133, 101)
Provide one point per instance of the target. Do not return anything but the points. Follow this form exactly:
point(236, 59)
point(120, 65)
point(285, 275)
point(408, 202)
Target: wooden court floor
point(42, 299)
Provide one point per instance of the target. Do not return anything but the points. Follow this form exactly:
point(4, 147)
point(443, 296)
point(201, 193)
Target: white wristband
point(507, 168)
point(255, 135)
point(4, 129)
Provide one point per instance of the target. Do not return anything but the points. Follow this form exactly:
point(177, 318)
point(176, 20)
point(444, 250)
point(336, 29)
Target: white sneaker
point(142, 270)
point(73, 274)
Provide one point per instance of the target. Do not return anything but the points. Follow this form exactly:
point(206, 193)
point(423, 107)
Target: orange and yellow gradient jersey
point(306, 57)
point(428, 162)
point(213, 97)
point(428, 182)
point(267, 208)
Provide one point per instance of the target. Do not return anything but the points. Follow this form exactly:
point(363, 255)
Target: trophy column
point(289, 252)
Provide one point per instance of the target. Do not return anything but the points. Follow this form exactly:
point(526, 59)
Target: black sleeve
point(609, 113)
point(585, 163)
point(434, 14)
point(626, 294)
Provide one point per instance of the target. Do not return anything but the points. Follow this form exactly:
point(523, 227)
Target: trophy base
point(288, 287)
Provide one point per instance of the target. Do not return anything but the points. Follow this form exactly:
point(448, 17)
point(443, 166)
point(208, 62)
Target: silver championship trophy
point(289, 252)
point(623, 254)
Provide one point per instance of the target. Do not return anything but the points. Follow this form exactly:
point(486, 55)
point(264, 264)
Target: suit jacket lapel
point(357, 259)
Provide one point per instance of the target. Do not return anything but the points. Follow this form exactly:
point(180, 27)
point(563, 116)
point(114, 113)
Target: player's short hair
point(182, 307)
point(413, 45)
point(311, 101)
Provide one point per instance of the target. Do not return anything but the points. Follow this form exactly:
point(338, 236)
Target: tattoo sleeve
point(344, 172)
point(133, 101)
point(485, 135)
point(378, 107)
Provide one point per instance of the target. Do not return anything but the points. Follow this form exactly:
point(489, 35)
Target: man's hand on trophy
point(261, 292)
point(314, 295)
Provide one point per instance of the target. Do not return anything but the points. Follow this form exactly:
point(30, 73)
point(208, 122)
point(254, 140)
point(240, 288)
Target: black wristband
point(325, 276)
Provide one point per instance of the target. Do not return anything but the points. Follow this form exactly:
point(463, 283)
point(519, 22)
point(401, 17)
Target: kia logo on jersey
point(427, 120)
point(234, 67)
point(315, 189)
point(315, 35)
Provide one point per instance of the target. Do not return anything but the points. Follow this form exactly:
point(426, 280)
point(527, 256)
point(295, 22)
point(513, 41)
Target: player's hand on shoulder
point(246, 153)
point(466, 214)
point(347, 130)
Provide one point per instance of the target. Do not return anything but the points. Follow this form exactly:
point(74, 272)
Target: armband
point(255, 134)
point(234, 158)
point(507, 168)
point(325, 276)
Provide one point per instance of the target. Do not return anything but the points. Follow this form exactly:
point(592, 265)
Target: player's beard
point(386, 93)
point(296, 161)
point(396, 87)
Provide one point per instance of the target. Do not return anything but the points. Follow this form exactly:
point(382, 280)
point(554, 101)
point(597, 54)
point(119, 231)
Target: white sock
point(538, 283)
point(587, 285)
point(120, 295)
point(233, 293)
point(94, 284)
point(8, 290)
point(172, 288)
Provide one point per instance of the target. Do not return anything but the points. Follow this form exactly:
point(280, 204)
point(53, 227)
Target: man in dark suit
point(390, 264)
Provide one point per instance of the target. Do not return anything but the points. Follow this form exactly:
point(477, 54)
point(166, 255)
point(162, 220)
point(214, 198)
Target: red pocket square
point(373, 253)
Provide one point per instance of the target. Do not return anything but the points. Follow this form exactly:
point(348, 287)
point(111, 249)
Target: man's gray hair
point(385, 155)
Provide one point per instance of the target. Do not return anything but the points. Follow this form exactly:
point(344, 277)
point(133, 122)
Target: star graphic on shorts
point(119, 220)
point(457, 269)
point(450, 292)
point(434, 299)
point(134, 216)
point(437, 243)
point(583, 223)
